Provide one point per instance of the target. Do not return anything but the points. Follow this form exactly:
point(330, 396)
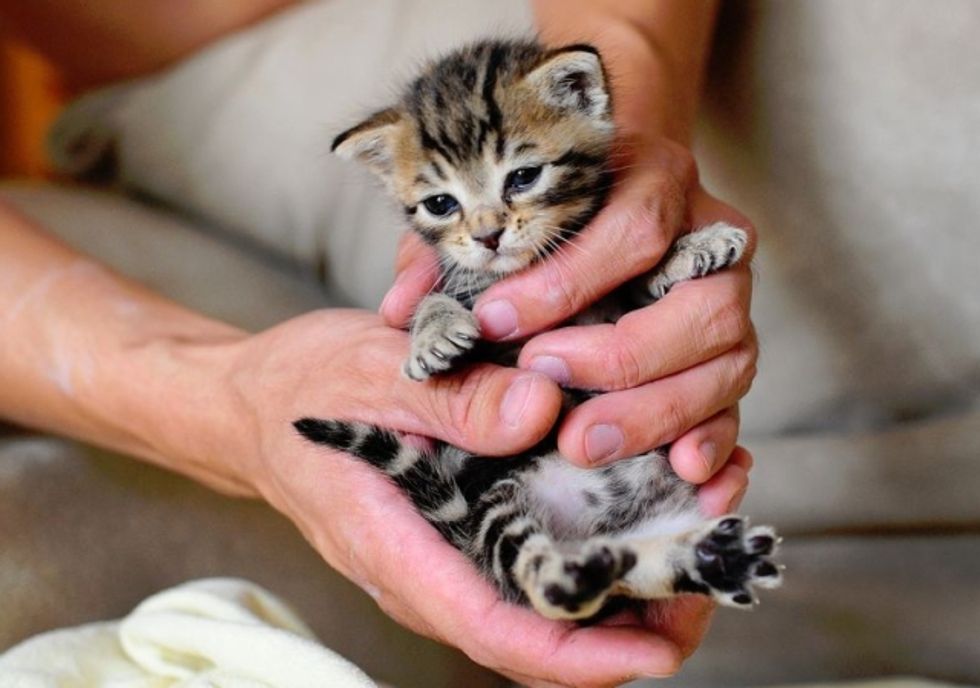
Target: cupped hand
point(346, 364)
point(674, 370)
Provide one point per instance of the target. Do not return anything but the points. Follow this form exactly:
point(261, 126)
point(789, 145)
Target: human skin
point(89, 354)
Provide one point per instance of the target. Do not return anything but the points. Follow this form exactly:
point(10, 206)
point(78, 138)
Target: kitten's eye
point(522, 179)
point(441, 205)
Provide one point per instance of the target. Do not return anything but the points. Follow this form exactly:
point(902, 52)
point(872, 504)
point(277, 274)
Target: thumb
point(485, 409)
point(417, 267)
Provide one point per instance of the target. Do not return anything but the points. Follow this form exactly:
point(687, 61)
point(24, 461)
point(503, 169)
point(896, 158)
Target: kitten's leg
point(694, 255)
point(560, 580)
point(722, 559)
point(442, 330)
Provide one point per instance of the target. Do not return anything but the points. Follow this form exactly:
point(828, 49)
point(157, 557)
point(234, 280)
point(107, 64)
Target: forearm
point(96, 42)
point(91, 355)
point(655, 52)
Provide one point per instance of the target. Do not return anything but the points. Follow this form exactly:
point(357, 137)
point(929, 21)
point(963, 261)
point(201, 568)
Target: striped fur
point(499, 154)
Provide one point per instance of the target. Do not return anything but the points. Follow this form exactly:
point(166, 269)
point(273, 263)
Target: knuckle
point(660, 211)
point(743, 368)
point(623, 366)
point(729, 322)
point(564, 297)
point(666, 202)
point(461, 402)
point(673, 418)
point(685, 167)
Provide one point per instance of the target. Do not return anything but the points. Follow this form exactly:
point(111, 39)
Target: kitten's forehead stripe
point(430, 143)
point(437, 169)
point(496, 118)
point(574, 158)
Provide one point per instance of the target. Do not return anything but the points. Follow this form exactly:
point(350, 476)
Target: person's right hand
point(346, 364)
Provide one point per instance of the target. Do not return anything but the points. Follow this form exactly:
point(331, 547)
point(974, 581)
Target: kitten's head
point(498, 152)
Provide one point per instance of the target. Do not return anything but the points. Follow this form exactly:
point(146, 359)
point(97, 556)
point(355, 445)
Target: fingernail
point(515, 400)
point(602, 441)
point(709, 454)
point(498, 319)
point(553, 367)
point(737, 500)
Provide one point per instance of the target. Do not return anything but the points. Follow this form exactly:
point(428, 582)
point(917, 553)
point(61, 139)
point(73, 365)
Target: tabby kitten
point(499, 153)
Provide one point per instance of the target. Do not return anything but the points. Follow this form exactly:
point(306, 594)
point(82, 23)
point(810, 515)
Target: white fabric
point(215, 633)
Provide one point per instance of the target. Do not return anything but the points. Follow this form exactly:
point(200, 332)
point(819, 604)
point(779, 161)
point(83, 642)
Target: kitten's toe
point(415, 368)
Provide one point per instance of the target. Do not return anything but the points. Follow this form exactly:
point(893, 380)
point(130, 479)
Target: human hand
point(674, 370)
point(346, 364)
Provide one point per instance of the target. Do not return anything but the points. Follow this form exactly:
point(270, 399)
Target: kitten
point(499, 153)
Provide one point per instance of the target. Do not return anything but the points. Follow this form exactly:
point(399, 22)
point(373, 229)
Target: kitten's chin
point(500, 263)
point(504, 264)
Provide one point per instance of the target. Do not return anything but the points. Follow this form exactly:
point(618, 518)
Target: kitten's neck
point(466, 285)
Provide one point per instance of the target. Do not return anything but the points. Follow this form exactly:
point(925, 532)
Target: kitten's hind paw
point(575, 586)
point(729, 560)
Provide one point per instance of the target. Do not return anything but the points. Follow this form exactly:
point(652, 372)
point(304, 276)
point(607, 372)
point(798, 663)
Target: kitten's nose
point(490, 238)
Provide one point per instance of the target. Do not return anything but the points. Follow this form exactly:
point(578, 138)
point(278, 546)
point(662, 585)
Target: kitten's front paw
point(729, 560)
point(697, 254)
point(438, 342)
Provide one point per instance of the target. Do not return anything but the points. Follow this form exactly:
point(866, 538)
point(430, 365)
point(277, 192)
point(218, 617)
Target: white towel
point(214, 633)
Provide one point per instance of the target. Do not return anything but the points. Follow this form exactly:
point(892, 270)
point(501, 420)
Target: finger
point(521, 642)
point(628, 237)
point(701, 452)
point(723, 493)
point(486, 409)
point(696, 321)
point(417, 267)
point(610, 427)
point(684, 620)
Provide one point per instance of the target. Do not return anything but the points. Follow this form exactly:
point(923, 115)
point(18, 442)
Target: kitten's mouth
point(505, 260)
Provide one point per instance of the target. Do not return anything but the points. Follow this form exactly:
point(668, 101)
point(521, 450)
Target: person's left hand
point(675, 370)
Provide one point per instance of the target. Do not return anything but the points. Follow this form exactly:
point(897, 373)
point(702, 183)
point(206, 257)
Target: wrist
point(172, 404)
point(655, 68)
point(651, 98)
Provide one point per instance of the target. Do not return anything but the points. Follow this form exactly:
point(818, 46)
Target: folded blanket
point(219, 633)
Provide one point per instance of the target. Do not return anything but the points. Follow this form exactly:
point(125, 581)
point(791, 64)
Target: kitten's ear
point(372, 142)
point(572, 78)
